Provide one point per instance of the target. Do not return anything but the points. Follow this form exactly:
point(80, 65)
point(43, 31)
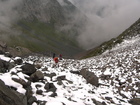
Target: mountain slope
point(46, 26)
point(128, 33)
point(117, 70)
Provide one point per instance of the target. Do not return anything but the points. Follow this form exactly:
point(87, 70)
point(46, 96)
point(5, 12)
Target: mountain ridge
point(132, 31)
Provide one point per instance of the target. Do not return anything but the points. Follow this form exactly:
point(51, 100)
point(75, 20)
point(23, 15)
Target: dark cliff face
point(44, 10)
point(64, 17)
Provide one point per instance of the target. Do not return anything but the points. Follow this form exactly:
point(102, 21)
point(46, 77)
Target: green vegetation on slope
point(42, 37)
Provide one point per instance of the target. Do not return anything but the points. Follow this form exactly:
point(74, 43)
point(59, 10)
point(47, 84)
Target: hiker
point(53, 55)
point(60, 57)
point(56, 60)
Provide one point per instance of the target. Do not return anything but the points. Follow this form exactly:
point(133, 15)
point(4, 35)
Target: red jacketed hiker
point(56, 59)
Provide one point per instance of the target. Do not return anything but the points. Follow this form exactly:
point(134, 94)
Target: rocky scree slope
point(108, 79)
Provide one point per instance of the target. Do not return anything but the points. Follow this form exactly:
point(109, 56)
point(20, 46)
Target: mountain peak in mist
point(49, 25)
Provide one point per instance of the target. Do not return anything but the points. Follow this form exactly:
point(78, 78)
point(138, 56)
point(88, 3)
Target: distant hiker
point(60, 57)
point(56, 59)
point(55, 64)
point(53, 55)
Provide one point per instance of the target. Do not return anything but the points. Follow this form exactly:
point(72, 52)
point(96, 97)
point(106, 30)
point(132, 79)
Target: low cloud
point(8, 13)
point(109, 18)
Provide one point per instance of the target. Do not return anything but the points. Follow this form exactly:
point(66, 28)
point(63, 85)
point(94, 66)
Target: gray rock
point(38, 75)
point(18, 61)
point(75, 72)
point(63, 77)
point(90, 77)
point(98, 103)
point(4, 66)
point(135, 101)
point(39, 92)
point(8, 97)
point(32, 100)
point(50, 87)
point(28, 69)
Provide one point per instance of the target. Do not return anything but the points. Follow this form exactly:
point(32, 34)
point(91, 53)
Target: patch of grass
point(40, 37)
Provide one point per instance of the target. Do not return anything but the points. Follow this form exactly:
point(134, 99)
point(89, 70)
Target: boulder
point(135, 101)
point(18, 61)
point(28, 69)
point(90, 77)
point(63, 77)
point(4, 66)
point(38, 75)
point(50, 87)
point(39, 92)
point(8, 97)
point(32, 100)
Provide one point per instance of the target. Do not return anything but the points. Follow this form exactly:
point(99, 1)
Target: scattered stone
point(38, 75)
point(39, 92)
point(108, 98)
point(59, 82)
point(28, 69)
point(37, 85)
point(63, 77)
point(4, 66)
point(135, 101)
point(32, 100)
point(53, 94)
point(50, 75)
point(18, 61)
point(98, 103)
point(90, 77)
point(38, 65)
point(42, 102)
point(50, 87)
point(75, 72)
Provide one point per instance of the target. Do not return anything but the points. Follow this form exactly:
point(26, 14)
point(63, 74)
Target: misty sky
point(7, 12)
point(110, 18)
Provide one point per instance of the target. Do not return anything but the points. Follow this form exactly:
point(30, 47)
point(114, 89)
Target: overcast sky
point(109, 17)
point(7, 12)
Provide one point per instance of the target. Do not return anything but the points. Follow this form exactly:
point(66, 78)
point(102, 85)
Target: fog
point(109, 18)
point(8, 13)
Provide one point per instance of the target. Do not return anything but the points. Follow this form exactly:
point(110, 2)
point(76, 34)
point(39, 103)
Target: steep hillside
point(109, 79)
point(46, 26)
point(132, 31)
